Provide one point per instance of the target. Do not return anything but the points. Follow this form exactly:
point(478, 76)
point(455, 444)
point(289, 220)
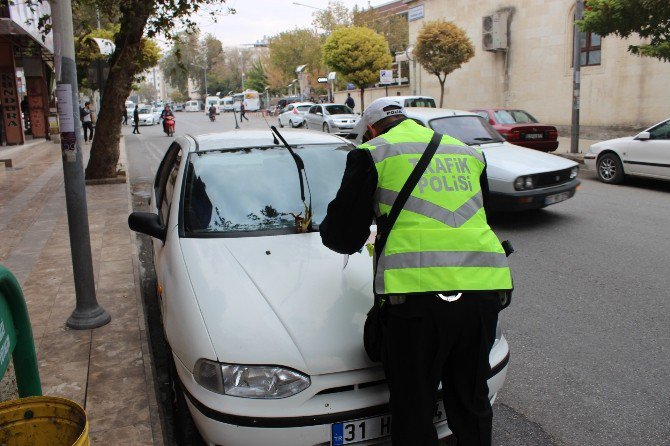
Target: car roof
point(432, 113)
point(233, 139)
point(298, 104)
point(402, 98)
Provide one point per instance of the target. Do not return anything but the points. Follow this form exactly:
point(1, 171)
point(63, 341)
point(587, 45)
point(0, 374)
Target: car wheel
point(609, 169)
point(306, 126)
point(185, 432)
point(290, 124)
point(326, 128)
point(280, 124)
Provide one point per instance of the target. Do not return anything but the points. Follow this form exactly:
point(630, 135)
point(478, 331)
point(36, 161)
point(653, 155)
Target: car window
point(483, 114)
point(144, 110)
point(420, 102)
point(221, 200)
point(471, 130)
point(661, 131)
point(303, 108)
point(289, 108)
point(513, 117)
point(338, 110)
point(313, 109)
point(166, 171)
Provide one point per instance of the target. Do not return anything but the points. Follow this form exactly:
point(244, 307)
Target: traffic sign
point(385, 77)
point(322, 80)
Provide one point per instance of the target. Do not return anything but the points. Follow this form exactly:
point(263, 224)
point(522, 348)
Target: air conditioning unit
point(494, 32)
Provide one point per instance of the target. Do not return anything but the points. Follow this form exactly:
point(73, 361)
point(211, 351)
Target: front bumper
point(218, 428)
point(530, 199)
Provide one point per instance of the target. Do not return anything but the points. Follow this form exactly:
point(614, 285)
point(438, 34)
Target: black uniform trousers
point(429, 341)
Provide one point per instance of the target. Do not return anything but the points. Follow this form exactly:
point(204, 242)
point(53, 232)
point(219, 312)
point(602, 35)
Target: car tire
point(609, 169)
point(280, 124)
point(290, 124)
point(306, 126)
point(326, 128)
point(185, 431)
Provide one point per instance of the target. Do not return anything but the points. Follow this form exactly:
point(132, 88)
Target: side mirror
point(147, 223)
point(643, 136)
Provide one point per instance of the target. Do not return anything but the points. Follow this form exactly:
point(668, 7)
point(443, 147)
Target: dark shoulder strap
point(405, 192)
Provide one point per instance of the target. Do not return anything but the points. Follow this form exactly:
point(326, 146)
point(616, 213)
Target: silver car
point(294, 114)
point(331, 118)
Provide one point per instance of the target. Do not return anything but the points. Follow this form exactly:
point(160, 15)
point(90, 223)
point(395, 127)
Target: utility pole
point(87, 314)
point(576, 65)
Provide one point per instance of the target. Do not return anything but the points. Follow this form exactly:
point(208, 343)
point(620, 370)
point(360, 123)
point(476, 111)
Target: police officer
point(441, 274)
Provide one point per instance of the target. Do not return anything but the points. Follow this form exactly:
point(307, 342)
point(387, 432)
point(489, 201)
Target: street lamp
point(309, 6)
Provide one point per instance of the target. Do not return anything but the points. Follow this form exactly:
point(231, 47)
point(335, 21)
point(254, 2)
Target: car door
point(312, 117)
point(650, 157)
point(286, 115)
point(320, 118)
point(164, 186)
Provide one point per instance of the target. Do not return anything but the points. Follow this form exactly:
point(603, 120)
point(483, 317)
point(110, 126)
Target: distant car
point(294, 114)
point(414, 101)
point(178, 107)
point(520, 128)
point(157, 114)
point(519, 178)
point(147, 115)
point(331, 118)
point(264, 324)
point(647, 155)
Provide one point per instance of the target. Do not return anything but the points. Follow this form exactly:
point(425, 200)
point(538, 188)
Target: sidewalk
point(564, 148)
point(107, 370)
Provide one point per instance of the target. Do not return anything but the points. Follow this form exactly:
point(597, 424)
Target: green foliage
point(147, 92)
point(256, 79)
point(357, 53)
point(334, 16)
point(442, 47)
point(290, 49)
point(395, 28)
point(650, 19)
point(178, 96)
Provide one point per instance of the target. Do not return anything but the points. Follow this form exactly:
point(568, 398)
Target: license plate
point(534, 136)
point(366, 429)
point(551, 199)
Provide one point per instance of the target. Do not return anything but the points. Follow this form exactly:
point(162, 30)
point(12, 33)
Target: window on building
point(589, 48)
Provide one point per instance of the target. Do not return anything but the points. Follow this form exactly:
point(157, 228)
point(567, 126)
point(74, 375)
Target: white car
point(294, 114)
point(265, 324)
point(647, 155)
point(147, 115)
point(413, 101)
point(331, 118)
point(518, 178)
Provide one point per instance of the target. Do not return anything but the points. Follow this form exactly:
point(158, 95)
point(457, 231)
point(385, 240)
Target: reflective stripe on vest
point(441, 240)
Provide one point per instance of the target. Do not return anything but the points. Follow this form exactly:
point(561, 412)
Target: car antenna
point(302, 224)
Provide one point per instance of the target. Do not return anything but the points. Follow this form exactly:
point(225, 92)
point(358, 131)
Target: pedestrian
point(243, 111)
point(441, 279)
point(350, 101)
point(86, 116)
point(125, 115)
point(136, 120)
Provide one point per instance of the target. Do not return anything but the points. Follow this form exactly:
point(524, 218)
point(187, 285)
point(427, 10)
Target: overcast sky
point(258, 18)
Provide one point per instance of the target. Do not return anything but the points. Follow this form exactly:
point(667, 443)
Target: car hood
point(347, 116)
point(282, 300)
point(507, 161)
point(610, 142)
point(146, 115)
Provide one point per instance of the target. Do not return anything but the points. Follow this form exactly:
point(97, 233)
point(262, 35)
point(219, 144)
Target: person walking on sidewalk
point(440, 282)
point(243, 111)
point(350, 101)
point(86, 117)
point(136, 120)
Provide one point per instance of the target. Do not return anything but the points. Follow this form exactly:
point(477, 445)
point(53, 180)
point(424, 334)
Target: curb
point(576, 157)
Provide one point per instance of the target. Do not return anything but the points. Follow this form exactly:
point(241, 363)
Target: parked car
point(264, 324)
point(331, 118)
point(157, 114)
point(520, 128)
point(518, 178)
point(178, 107)
point(294, 114)
point(414, 101)
point(147, 115)
point(646, 154)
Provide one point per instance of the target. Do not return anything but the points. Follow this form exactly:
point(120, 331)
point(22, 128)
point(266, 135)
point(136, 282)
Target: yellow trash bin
point(43, 420)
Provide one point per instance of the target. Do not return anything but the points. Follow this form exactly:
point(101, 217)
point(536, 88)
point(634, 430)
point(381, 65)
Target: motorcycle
point(169, 125)
point(212, 117)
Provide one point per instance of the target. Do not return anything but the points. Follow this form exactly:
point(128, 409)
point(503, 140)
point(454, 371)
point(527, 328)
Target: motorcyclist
point(164, 114)
point(212, 112)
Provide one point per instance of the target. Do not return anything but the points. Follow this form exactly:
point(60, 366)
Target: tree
point(290, 49)
point(650, 19)
point(256, 79)
point(178, 97)
point(394, 27)
point(442, 47)
point(137, 19)
point(358, 54)
point(335, 16)
point(147, 92)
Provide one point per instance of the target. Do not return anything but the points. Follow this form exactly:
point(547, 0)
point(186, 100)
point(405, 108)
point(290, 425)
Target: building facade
point(619, 91)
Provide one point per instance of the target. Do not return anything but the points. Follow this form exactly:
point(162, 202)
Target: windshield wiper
point(302, 224)
point(483, 138)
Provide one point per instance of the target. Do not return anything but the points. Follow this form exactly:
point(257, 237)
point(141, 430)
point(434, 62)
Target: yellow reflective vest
point(441, 240)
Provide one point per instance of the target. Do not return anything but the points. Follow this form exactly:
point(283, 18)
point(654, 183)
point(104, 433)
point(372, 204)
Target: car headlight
point(574, 172)
point(249, 381)
point(524, 183)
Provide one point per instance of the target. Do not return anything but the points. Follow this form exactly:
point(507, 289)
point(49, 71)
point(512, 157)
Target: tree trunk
point(441, 89)
point(362, 100)
point(123, 67)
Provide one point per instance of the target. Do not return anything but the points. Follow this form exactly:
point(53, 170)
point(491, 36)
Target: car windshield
point(255, 191)
point(420, 102)
point(471, 130)
point(304, 108)
point(338, 110)
point(144, 110)
point(513, 117)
